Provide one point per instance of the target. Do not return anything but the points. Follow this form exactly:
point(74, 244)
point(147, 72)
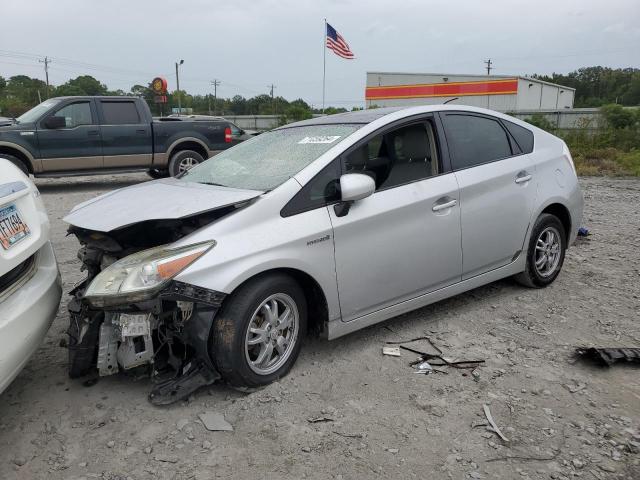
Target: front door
point(76, 146)
point(404, 240)
point(497, 193)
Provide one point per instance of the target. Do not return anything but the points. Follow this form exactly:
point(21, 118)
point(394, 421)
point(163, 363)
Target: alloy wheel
point(187, 163)
point(548, 252)
point(272, 334)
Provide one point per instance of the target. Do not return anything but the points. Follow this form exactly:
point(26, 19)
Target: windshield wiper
point(214, 184)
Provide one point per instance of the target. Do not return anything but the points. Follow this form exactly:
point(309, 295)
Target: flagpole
point(324, 61)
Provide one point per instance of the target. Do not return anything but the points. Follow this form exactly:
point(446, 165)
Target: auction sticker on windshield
point(12, 228)
point(320, 139)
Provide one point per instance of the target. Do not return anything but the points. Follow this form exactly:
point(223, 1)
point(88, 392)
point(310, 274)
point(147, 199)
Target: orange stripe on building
point(450, 89)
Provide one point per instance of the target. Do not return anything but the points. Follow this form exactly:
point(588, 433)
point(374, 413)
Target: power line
point(273, 104)
point(488, 64)
point(46, 62)
point(215, 84)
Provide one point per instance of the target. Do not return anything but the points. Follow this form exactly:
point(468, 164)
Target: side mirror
point(353, 187)
point(55, 122)
point(356, 186)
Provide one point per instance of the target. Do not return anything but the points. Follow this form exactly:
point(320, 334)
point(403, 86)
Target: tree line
point(20, 93)
point(595, 86)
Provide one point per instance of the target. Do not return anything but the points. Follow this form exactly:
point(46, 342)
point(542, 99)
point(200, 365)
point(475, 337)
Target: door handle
point(442, 206)
point(523, 178)
point(93, 132)
point(141, 131)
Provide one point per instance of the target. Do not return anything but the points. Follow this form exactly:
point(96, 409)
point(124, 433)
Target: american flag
point(336, 43)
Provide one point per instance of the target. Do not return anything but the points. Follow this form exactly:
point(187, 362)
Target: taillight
point(567, 155)
point(227, 135)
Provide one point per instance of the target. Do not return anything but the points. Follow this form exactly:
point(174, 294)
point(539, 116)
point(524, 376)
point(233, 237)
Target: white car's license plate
point(134, 325)
point(12, 227)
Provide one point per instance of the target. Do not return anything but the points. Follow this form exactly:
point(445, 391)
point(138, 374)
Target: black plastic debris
point(437, 360)
point(609, 356)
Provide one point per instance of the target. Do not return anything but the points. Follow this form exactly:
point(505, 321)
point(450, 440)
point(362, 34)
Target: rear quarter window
point(523, 136)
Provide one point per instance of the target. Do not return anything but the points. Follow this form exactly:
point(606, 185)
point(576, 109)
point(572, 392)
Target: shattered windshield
point(266, 161)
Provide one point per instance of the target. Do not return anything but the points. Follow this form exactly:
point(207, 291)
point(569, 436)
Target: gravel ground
point(563, 419)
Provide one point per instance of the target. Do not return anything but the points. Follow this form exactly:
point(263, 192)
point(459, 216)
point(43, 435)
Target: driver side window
point(396, 157)
point(76, 114)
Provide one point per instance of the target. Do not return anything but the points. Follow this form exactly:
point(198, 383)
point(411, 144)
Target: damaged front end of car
point(130, 314)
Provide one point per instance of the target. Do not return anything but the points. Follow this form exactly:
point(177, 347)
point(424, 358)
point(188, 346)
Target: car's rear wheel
point(258, 333)
point(183, 161)
point(546, 252)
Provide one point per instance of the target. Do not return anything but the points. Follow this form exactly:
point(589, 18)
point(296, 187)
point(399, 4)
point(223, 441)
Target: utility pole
point(46, 62)
point(215, 84)
point(489, 67)
point(273, 104)
point(178, 87)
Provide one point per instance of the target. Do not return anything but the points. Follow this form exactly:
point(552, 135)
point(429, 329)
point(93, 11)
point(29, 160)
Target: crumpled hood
point(156, 200)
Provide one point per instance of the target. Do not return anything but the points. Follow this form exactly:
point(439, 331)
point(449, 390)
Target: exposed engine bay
point(166, 337)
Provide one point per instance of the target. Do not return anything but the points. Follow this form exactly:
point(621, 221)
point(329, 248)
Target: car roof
point(358, 116)
point(396, 113)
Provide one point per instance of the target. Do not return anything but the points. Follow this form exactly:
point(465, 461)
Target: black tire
point(157, 173)
point(532, 276)
point(179, 159)
point(231, 324)
point(17, 162)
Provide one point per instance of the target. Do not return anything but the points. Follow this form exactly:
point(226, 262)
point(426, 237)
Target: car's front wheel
point(258, 333)
point(545, 254)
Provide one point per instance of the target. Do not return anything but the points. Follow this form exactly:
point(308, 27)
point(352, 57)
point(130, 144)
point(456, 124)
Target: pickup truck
point(66, 136)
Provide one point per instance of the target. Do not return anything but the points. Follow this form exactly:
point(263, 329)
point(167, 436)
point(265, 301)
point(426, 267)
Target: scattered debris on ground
point(391, 351)
point(494, 427)
point(215, 422)
point(609, 356)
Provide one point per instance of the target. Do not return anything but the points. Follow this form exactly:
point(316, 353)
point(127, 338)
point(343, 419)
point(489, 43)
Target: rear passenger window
point(475, 140)
point(120, 113)
point(523, 136)
point(397, 157)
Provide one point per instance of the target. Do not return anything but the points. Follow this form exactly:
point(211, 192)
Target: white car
point(30, 285)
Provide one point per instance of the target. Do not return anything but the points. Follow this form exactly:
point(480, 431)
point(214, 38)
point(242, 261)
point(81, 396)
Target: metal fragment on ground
point(487, 413)
point(215, 422)
point(392, 351)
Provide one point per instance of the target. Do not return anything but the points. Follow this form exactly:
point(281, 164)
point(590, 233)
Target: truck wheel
point(257, 335)
point(17, 162)
point(157, 173)
point(545, 254)
point(184, 160)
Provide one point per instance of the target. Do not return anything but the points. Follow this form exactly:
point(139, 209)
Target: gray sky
point(250, 44)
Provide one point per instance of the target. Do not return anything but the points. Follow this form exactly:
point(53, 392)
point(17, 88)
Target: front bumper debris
point(166, 337)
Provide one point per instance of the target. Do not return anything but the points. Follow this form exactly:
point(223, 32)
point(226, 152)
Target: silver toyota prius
point(327, 225)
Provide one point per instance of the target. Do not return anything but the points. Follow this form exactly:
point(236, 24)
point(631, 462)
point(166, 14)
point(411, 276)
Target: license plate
point(134, 325)
point(12, 228)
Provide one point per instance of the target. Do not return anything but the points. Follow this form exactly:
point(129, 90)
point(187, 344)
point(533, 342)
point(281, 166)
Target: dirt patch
point(380, 419)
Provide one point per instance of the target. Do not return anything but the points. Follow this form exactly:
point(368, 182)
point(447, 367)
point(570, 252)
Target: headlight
point(139, 276)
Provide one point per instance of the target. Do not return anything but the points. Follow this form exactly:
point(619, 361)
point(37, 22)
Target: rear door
point(76, 146)
point(496, 192)
point(126, 134)
point(404, 240)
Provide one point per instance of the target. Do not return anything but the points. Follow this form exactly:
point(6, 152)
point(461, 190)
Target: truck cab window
point(76, 114)
point(120, 113)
